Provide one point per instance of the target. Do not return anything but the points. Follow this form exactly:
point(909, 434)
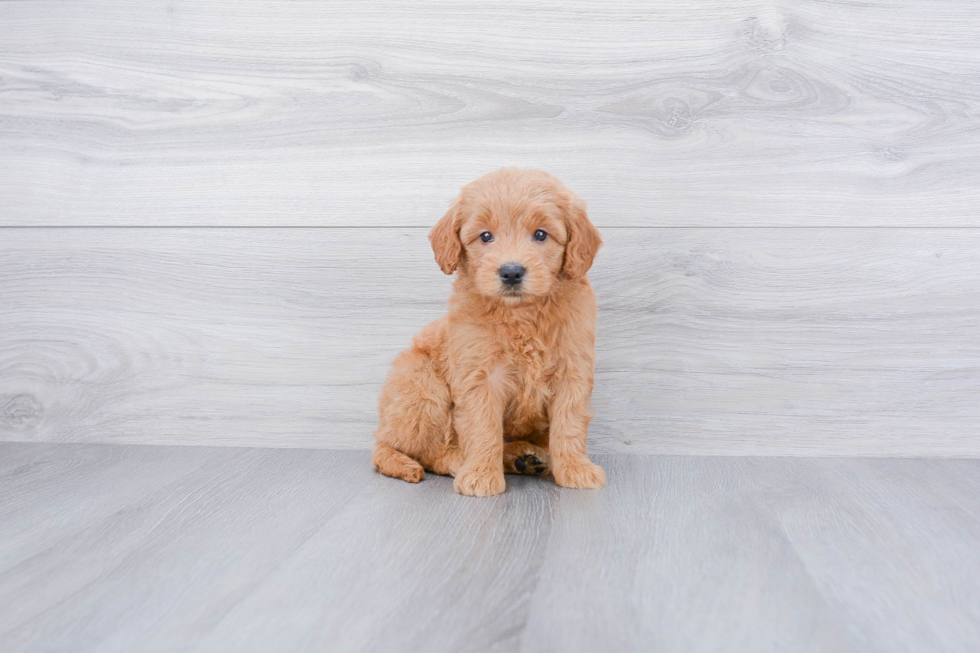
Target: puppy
point(502, 382)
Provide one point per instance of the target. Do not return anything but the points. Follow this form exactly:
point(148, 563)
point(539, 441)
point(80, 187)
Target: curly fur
point(503, 381)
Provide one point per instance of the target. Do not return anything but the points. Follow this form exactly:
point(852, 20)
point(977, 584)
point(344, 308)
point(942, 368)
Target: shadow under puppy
point(502, 382)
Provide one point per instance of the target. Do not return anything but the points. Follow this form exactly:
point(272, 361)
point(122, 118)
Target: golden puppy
point(503, 381)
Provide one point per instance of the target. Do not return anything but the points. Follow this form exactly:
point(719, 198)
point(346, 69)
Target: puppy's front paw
point(480, 482)
point(582, 474)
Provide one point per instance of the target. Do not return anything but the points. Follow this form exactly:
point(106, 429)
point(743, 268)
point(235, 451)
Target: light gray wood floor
point(158, 548)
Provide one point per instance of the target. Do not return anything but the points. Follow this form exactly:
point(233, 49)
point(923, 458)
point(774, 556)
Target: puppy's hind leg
point(522, 457)
point(415, 429)
point(392, 462)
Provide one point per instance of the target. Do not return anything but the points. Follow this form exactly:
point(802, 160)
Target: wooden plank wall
point(213, 214)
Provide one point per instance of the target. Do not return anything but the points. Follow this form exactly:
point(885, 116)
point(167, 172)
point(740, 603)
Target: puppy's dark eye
point(540, 235)
point(486, 236)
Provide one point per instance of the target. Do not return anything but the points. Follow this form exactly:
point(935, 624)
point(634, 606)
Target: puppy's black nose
point(511, 273)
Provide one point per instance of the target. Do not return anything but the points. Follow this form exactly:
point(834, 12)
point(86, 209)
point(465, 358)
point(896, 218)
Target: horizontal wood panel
point(350, 113)
point(777, 341)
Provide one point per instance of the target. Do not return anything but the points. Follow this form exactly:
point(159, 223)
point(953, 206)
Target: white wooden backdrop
point(213, 213)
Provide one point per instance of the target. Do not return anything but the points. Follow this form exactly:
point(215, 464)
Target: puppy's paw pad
point(530, 464)
point(525, 458)
point(583, 475)
point(479, 483)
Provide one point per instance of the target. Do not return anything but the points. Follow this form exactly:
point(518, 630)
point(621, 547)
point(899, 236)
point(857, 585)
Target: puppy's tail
point(392, 462)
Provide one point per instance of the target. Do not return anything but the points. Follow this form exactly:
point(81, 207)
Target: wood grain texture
point(35, 493)
point(345, 113)
point(259, 549)
point(775, 341)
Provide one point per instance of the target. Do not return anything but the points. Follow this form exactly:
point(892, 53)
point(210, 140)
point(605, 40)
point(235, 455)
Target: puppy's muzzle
point(511, 274)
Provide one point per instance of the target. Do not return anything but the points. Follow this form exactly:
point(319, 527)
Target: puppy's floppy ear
point(583, 240)
point(445, 240)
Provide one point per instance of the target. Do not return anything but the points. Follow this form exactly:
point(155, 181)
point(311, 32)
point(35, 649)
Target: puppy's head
point(515, 234)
